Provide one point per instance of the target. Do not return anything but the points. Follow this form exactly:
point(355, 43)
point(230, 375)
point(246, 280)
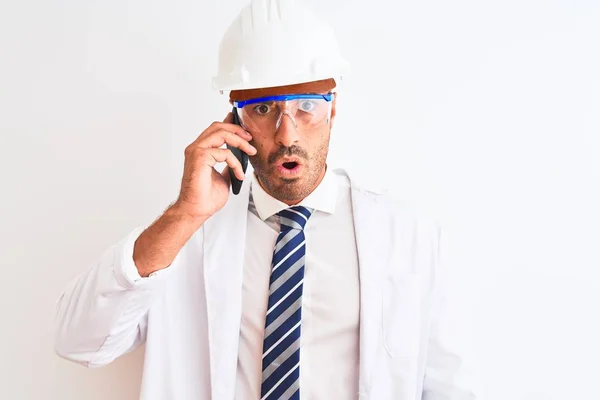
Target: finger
point(218, 138)
point(215, 135)
point(233, 128)
point(216, 127)
point(226, 156)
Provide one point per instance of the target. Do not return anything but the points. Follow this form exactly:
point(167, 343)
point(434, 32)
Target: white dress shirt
point(202, 318)
point(329, 339)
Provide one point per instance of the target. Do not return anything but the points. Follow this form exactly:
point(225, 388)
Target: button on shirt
point(329, 351)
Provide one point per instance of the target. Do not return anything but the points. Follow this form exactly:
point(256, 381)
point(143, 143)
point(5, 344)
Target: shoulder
point(385, 197)
point(403, 211)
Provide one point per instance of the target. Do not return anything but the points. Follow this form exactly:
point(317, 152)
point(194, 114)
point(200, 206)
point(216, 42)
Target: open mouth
point(290, 165)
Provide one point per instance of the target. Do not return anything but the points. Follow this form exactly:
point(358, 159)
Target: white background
point(487, 114)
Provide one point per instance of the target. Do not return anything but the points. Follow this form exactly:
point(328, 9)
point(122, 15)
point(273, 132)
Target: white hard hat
point(277, 43)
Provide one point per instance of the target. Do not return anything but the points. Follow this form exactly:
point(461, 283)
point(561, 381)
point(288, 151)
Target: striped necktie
point(281, 346)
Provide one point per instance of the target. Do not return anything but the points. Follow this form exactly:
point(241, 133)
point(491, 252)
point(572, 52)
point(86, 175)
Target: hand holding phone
point(204, 190)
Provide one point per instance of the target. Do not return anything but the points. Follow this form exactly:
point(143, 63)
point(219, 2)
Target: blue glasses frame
point(240, 104)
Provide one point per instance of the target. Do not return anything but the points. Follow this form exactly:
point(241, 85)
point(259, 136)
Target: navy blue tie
point(281, 346)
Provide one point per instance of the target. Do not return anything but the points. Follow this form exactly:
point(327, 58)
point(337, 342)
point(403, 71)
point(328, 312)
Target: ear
point(333, 109)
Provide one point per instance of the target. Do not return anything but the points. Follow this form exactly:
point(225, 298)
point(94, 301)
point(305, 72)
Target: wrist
point(158, 245)
point(182, 213)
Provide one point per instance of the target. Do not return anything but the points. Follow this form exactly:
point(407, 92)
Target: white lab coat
point(189, 315)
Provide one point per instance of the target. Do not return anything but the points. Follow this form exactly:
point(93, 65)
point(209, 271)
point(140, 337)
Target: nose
point(286, 133)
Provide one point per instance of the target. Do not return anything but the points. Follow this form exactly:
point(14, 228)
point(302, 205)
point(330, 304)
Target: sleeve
point(102, 313)
point(451, 367)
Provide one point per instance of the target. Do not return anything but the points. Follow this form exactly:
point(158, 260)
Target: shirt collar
point(323, 198)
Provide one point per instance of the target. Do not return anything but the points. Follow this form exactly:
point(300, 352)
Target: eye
point(307, 105)
point(261, 109)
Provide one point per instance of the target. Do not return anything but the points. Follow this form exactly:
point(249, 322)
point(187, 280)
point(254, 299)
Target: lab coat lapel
point(224, 246)
point(372, 226)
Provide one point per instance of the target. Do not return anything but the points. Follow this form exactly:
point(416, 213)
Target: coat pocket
point(401, 315)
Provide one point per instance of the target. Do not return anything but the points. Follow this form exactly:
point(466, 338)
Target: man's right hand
point(204, 191)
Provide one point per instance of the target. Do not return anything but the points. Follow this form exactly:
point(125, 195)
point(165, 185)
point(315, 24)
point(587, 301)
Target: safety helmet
point(277, 43)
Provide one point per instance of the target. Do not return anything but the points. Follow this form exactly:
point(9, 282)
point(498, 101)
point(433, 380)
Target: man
point(305, 285)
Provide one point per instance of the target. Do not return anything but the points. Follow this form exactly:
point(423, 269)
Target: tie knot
point(294, 217)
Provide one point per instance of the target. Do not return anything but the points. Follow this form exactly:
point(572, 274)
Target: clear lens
point(306, 113)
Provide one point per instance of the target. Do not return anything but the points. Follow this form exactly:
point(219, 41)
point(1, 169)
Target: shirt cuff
point(126, 271)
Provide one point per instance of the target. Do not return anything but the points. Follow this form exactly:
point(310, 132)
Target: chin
point(287, 188)
point(291, 189)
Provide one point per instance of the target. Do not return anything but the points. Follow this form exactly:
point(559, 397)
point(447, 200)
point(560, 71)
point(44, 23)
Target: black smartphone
point(236, 184)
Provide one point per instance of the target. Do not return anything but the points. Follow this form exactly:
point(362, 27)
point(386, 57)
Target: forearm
point(159, 244)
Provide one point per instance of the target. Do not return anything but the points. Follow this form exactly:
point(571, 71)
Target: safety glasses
point(264, 114)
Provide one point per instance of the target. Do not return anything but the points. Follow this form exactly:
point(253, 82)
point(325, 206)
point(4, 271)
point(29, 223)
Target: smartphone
point(236, 184)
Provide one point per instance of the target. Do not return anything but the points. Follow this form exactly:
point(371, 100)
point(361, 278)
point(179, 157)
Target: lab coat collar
point(323, 198)
point(224, 245)
point(371, 223)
